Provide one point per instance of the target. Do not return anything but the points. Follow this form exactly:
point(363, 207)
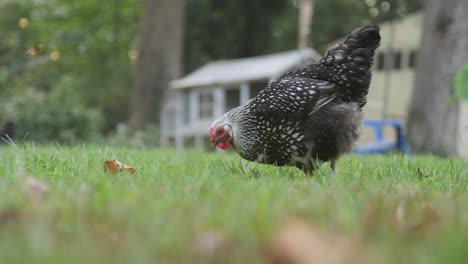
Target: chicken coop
point(195, 100)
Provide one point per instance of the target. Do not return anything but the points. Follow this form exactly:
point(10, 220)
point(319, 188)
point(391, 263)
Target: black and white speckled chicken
point(308, 115)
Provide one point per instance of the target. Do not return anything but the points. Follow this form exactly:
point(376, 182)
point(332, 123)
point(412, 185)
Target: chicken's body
point(307, 115)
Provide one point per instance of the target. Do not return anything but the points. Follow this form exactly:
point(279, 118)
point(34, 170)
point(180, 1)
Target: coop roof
point(246, 69)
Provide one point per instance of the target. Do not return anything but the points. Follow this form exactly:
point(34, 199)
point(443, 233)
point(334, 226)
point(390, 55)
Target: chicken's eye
point(219, 132)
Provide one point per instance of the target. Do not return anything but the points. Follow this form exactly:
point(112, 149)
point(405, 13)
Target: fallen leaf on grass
point(37, 189)
point(114, 166)
point(298, 242)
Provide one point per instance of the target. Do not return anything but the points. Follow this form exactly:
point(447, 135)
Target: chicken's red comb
point(211, 133)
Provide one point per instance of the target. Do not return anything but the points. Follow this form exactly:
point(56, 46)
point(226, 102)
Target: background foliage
point(66, 67)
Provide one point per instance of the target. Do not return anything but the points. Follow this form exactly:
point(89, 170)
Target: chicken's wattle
point(224, 145)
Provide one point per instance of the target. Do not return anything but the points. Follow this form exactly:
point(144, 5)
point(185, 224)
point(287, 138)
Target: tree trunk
point(434, 112)
point(159, 58)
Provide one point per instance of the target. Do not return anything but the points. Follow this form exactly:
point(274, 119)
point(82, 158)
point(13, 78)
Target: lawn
point(191, 207)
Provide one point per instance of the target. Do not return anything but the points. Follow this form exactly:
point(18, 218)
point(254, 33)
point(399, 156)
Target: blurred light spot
point(55, 55)
point(31, 51)
point(370, 2)
point(385, 6)
point(23, 22)
point(133, 56)
point(374, 12)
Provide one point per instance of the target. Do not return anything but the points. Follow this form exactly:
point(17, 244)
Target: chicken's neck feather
point(243, 123)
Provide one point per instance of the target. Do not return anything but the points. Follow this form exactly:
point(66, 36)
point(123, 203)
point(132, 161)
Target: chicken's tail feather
point(348, 64)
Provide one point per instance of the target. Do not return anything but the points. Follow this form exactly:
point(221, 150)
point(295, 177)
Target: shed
point(197, 99)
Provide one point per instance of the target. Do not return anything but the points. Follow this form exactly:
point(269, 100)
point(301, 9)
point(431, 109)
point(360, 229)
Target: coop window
point(397, 60)
point(412, 59)
point(381, 61)
point(206, 103)
point(232, 98)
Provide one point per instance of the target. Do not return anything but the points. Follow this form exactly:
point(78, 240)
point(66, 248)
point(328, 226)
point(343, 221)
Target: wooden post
point(194, 106)
point(164, 134)
point(179, 121)
point(306, 11)
point(389, 59)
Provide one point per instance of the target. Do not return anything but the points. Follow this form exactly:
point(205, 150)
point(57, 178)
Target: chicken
point(7, 132)
point(308, 115)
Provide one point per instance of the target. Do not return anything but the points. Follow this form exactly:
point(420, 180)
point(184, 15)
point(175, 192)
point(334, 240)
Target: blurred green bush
point(57, 115)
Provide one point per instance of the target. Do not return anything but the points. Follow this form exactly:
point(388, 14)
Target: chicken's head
point(221, 135)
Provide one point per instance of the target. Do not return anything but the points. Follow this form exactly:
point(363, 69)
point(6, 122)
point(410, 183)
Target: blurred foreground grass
point(193, 207)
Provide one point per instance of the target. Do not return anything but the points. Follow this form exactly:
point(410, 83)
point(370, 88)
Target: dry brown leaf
point(114, 166)
point(37, 189)
point(298, 242)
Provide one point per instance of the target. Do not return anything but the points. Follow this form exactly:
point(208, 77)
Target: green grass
point(90, 216)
